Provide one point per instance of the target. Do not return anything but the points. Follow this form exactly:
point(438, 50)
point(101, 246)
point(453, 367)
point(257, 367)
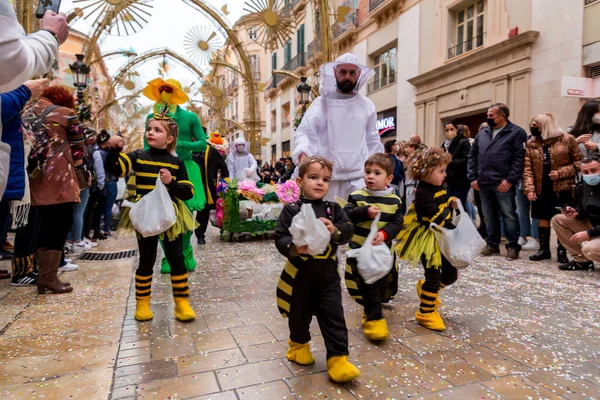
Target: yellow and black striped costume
point(310, 285)
point(382, 291)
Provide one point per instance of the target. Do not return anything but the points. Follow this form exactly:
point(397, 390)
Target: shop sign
point(386, 124)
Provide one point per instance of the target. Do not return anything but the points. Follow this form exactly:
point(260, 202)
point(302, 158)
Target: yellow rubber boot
point(142, 310)
point(376, 330)
point(432, 320)
point(183, 310)
point(300, 353)
point(438, 302)
point(341, 370)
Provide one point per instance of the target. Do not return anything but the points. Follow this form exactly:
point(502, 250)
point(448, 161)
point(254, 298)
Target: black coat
point(459, 148)
point(588, 207)
point(494, 159)
point(216, 163)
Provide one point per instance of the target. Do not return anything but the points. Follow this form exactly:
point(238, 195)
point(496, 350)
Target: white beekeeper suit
point(240, 163)
point(340, 127)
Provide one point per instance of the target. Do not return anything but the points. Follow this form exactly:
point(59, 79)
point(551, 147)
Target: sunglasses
point(165, 88)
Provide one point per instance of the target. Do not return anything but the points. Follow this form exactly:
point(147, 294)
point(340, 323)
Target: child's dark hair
point(171, 127)
point(426, 161)
point(383, 161)
point(303, 168)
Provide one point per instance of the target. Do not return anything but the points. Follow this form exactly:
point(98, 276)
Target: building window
point(273, 154)
point(285, 149)
point(253, 33)
point(469, 28)
point(288, 52)
point(274, 61)
point(255, 66)
point(385, 69)
point(301, 39)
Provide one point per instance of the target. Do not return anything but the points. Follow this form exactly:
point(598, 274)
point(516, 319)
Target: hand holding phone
point(57, 24)
point(47, 5)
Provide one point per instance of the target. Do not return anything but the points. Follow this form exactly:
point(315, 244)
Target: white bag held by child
point(307, 230)
point(373, 262)
point(461, 245)
point(154, 213)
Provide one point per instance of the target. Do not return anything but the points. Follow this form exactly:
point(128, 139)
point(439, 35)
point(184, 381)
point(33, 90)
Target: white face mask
point(596, 119)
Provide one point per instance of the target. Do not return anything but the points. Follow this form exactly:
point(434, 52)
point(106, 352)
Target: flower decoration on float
point(288, 192)
point(219, 143)
point(249, 191)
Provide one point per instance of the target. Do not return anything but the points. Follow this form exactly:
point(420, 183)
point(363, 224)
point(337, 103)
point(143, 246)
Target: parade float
point(249, 208)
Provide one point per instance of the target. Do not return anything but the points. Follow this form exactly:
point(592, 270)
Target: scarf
point(20, 208)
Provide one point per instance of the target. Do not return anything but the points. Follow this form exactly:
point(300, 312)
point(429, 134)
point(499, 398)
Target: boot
point(544, 252)
point(376, 330)
point(341, 370)
point(427, 315)
point(300, 353)
point(181, 292)
point(49, 261)
point(561, 254)
point(438, 302)
point(143, 291)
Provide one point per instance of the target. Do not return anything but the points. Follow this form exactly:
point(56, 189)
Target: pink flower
point(288, 192)
point(249, 186)
point(219, 208)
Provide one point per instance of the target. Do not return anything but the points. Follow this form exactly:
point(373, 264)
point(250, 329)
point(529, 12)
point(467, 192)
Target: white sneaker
point(89, 243)
point(522, 241)
point(68, 260)
point(69, 248)
point(80, 246)
point(68, 267)
point(531, 245)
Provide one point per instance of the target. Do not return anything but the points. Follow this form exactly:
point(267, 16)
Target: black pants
point(317, 291)
point(482, 228)
point(26, 240)
point(173, 251)
point(372, 295)
point(202, 219)
point(55, 224)
point(4, 220)
point(91, 220)
point(445, 275)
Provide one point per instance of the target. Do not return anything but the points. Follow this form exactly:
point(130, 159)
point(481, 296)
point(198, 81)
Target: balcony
point(380, 10)
point(275, 81)
point(466, 46)
point(312, 49)
point(351, 23)
point(296, 62)
point(374, 4)
point(297, 5)
point(381, 83)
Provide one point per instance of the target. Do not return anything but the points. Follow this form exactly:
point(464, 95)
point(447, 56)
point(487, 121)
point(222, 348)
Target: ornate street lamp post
point(304, 90)
point(80, 72)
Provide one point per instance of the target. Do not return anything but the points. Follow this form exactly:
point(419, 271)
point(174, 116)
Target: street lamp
point(80, 71)
point(304, 90)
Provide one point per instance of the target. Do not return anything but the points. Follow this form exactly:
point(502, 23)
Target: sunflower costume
point(417, 243)
point(191, 139)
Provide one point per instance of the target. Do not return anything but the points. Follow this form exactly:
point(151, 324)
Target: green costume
point(191, 139)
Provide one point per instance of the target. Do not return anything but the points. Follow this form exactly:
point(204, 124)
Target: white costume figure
point(240, 163)
point(340, 125)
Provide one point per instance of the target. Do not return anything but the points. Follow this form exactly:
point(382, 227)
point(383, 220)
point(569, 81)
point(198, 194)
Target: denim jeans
point(496, 205)
point(528, 226)
point(76, 232)
point(459, 192)
point(111, 197)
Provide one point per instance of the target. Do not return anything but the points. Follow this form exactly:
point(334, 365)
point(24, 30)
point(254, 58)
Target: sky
point(170, 21)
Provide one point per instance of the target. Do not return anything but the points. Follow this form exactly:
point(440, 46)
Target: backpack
point(35, 127)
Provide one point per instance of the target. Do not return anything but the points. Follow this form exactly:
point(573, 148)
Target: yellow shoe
point(341, 370)
point(376, 330)
point(438, 302)
point(183, 311)
point(431, 320)
point(300, 353)
point(142, 310)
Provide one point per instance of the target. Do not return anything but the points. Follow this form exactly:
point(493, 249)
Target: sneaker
point(24, 280)
point(68, 267)
point(490, 251)
point(530, 245)
point(68, 248)
point(577, 266)
point(201, 241)
point(512, 254)
point(68, 260)
point(89, 243)
point(80, 246)
point(522, 241)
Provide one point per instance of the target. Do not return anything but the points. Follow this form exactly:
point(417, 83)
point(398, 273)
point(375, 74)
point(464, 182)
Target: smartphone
point(45, 5)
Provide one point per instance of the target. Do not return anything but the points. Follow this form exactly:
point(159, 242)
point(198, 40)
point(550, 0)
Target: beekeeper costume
point(340, 127)
point(240, 163)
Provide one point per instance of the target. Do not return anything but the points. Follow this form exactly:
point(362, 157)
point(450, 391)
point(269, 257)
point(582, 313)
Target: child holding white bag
point(148, 165)
point(363, 206)
point(310, 284)
point(417, 241)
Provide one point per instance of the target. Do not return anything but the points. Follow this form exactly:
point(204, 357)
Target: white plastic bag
point(154, 213)
point(461, 245)
point(373, 262)
point(307, 230)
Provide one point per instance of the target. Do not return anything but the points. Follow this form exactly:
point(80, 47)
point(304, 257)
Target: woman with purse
point(551, 161)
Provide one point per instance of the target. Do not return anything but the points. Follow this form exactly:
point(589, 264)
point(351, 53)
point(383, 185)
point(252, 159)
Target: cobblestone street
point(516, 330)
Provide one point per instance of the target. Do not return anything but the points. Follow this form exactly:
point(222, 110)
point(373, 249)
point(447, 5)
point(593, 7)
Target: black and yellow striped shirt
point(432, 204)
point(391, 214)
point(146, 165)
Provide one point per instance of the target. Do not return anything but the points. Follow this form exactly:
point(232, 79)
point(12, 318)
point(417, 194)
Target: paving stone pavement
point(516, 330)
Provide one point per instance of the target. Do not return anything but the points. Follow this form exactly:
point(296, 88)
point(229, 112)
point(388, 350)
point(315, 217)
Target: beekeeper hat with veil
point(348, 61)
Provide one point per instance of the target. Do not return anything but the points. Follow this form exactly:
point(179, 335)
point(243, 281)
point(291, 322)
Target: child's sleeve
point(283, 237)
point(120, 164)
point(355, 213)
point(344, 227)
point(181, 188)
point(393, 227)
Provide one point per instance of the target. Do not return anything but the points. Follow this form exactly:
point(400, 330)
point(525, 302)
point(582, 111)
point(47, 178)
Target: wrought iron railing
point(296, 62)
point(351, 22)
point(373, 4)
point(275, 81)
point(466, 46)
point(381, 83)
point(312, 49)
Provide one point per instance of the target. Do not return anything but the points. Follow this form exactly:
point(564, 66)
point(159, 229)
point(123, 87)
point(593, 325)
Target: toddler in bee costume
point(148, 165)
point(417, 241)
point(363, 206)
point(310, 285)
